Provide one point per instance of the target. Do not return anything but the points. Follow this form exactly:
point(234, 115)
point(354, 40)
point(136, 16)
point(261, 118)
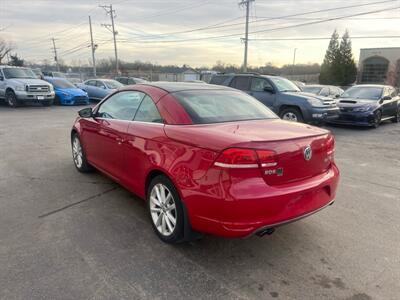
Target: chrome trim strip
point(291, 220)
point(235, 166)
point(266, 165)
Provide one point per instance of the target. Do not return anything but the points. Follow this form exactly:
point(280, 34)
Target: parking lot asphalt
point(66, 235)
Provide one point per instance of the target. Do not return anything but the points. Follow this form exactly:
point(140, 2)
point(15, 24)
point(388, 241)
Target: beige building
point(379, 65)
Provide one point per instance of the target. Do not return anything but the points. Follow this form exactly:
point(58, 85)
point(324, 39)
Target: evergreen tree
point(348, 68)
point(329, 66)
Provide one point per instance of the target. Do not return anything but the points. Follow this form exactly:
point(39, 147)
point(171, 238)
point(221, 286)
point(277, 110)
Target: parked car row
point(363, 105)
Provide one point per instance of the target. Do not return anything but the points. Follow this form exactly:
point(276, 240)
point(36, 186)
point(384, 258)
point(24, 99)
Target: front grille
point(38, 88)
point(80, 99)
point(346, 109)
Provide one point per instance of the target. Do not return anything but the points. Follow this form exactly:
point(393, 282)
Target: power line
point(266, 19)
point(326, 38)
point(266, 30)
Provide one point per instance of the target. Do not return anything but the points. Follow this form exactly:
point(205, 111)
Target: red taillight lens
point(267, 158)
point(237, 158)
point(330, 147)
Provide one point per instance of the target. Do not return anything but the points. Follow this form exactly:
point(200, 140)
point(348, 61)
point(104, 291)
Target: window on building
point(374, 70)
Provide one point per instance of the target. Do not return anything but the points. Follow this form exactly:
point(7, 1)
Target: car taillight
point(246, 158)
point(267, 158)
point(330, 147)
point(237, 158)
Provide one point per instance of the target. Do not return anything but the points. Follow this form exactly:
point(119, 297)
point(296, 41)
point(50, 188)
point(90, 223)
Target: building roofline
point(382, 48)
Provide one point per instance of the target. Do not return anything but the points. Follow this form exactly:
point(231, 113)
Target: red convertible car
point(207, 159)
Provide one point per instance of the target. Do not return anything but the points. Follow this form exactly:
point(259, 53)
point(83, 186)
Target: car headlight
point(51, 88)
point(363, 109)
point(315, 102)
point(20, 88)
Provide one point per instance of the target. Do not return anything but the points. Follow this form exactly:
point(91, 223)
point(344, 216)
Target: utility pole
point(94, 47)
point(111, 27)
point(246, 39)
point(294, 60)
point(55, 54)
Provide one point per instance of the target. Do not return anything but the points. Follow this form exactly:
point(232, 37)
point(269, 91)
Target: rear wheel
point(377, 119)
point(166, 210)
point(79, 156)
point(11, 99)
point(292, 114)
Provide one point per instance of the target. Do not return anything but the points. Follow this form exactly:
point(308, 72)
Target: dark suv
point(282, 96)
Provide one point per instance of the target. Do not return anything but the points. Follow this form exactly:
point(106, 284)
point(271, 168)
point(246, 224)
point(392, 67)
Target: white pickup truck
point(19, 85)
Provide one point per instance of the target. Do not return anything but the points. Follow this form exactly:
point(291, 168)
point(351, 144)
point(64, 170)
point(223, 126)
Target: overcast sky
point(153, 30)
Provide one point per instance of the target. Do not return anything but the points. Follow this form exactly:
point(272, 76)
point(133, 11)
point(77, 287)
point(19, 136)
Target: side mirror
point(269, 89)
point(86, 113)
point(386, 98)
point(1, 78)
point(337, 96)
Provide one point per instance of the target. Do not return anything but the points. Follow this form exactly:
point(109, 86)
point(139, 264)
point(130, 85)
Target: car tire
point(11, 99)
point(48, 103)
point(377, 119)
point(79, 156)
point(166, 210)
point(396, 118)
point(292, 114)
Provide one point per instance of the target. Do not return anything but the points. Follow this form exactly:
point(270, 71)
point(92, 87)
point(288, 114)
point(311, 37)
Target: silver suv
point(19, 85)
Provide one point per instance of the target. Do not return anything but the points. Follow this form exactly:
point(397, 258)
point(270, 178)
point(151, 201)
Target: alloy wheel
point(289, 116)
point(163, 209)
point(77, 153)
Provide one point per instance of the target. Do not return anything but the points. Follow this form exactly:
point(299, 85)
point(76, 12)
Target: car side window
point(121, 106)
point(259, 84)
point(241, 83)
point(100, 84)
point(130, 81)
point(91, 82)
point(148, 112)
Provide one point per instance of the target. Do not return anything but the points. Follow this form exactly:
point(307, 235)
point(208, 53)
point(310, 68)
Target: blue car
point(67, 93)
point(97, 89)
point(368, 105)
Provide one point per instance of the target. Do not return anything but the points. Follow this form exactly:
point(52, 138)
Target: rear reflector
point(246, 158)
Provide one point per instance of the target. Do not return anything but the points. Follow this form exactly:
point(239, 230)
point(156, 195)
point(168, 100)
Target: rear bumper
point(250, 206)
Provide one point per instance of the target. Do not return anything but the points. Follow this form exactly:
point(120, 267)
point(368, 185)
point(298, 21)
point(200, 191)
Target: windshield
point(363, 92)
point(112, 84)
point(284, 85)
point(311, 89)
point(210, 106)
point(61, 83)
point(18, 73)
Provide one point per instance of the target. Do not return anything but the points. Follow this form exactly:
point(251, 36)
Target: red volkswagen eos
point(207, 159)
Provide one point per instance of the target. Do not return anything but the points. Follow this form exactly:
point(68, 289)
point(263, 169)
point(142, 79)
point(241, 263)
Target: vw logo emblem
point(307, 153)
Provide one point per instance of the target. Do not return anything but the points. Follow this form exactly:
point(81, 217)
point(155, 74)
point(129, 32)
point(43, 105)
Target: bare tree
point(5, 48)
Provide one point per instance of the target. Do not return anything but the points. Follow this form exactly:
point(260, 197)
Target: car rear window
point(211, 106)
point(218, 79)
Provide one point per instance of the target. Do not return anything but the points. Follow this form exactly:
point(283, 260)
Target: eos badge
point(307, 153)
